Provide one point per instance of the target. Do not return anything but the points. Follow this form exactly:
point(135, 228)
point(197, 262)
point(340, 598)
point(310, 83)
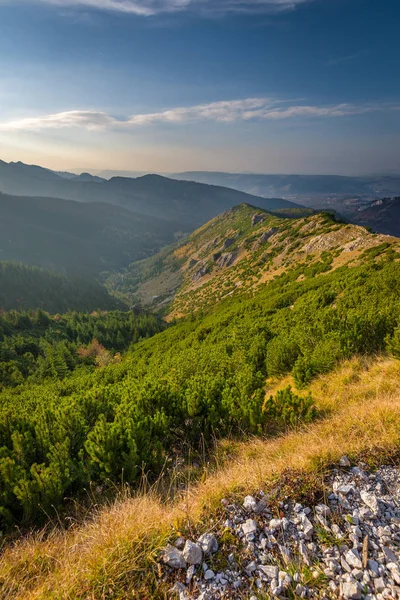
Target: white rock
point(351, 590)
point(276, 590)
point(323, 510)
point(249, 526)
point(308, 528)
point(370, 500)
point(180, 589)
point(284, 579)
point(345, 564)
point(299, 590)
point(379, 584)
point(250, 503)
point(358, 574)
point(189, 573)
point(395, 572)
point(304, 553)
point(208, 543)
point(270, 571)
point(274, 524)
point(353, 558)
point(192, 553)
point(345, 490)
point(251, 567)
point(209, 574)
point(174, 558)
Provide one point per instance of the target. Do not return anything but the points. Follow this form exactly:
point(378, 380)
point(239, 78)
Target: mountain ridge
point(239, 251)
point(188, 202)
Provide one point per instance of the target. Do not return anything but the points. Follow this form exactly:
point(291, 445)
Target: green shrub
point(286, 409)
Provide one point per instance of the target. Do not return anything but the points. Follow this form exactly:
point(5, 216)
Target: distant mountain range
point(289, 185)
point(189, 203)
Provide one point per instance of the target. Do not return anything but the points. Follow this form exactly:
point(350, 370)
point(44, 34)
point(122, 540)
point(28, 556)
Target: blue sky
point(300, 86)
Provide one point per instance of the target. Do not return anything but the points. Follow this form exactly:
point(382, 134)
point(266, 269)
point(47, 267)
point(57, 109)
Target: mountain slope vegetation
point(199, 379)
point(239, 252)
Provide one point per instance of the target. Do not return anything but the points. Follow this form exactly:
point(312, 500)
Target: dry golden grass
point(113, 555)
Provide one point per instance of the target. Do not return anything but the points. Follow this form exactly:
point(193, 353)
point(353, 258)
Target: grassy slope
point(113, 554)
point(204, 269)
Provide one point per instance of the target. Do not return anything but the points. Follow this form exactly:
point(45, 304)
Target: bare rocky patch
point(345, 545)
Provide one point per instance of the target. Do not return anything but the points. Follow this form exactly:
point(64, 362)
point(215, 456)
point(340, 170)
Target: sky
point(267, 86)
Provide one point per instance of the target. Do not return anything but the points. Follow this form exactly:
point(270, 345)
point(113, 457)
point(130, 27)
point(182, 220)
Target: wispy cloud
point(149, 8)
point(229, 111)
point(343, 59)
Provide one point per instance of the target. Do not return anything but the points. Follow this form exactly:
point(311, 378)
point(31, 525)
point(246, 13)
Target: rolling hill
point(239, 252)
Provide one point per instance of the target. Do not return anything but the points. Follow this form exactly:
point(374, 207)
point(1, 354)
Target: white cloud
point(225, 112)
point(73, 118)
point(153, 7)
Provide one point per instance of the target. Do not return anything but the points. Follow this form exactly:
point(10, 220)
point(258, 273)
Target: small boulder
point(180, 543)
point(208, 543)
point(270, 571)
point(250, 503)
point(351, 590)
point(249, 527)
point(275, 524)
point(174, 558)
point(209, 574)
point(192, 553)
point(370, 500)
point(353, 558)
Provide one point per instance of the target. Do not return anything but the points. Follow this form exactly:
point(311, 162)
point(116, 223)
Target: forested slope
point(23, 287)
point(77, 238)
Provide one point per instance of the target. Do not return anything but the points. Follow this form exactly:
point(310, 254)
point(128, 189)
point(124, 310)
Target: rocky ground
point(347, 546)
